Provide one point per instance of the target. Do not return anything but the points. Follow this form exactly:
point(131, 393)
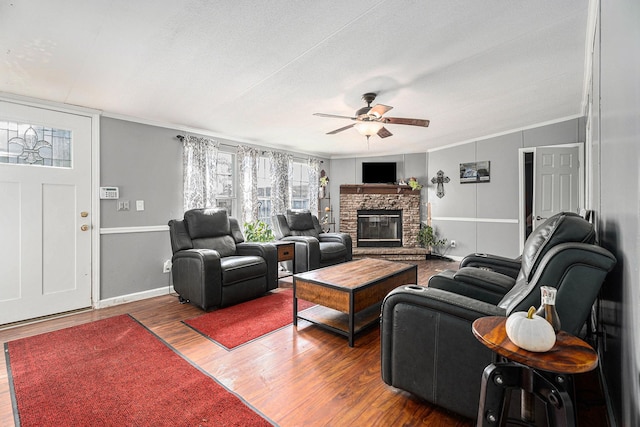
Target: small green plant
point(414, 184)
point(324, 179)
point(428, 239)
point(258, 231)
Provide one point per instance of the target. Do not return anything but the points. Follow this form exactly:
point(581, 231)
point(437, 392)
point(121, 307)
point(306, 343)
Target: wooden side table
point(542, 375)
point(286, 252)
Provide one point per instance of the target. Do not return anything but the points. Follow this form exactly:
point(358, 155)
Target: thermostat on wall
point(109, 193)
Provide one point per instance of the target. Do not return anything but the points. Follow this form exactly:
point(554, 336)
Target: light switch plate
point(139, 205)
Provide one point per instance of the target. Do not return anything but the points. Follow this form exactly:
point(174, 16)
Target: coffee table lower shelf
point(338, 322)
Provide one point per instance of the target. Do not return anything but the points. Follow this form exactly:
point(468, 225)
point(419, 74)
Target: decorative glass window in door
point(27, 144)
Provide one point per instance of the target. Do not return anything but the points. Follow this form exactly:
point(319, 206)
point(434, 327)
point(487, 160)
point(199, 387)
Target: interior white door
point(557, 182)
point(45, 212)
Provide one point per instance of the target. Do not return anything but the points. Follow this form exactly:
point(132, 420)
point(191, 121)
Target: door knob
point(84, 214)
point(84, 227)
point(539, 218)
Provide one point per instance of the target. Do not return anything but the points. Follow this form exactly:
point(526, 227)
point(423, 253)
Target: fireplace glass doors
point(379, 228)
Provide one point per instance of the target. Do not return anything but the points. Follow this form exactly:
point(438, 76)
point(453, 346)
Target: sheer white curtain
point(199, 171)
point(248, 164)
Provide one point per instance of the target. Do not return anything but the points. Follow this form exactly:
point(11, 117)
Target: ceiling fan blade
point(384, 132)
point(402, 121)
point(333, 116)
point(333, 132)
point(379, 109)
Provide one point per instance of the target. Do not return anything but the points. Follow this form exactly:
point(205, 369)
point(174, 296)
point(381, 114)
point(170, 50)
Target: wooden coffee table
point(349, 294)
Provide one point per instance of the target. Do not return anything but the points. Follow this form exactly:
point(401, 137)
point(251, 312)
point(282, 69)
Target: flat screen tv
point(379, 173)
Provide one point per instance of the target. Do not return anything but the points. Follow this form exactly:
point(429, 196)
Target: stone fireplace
point(382, 200)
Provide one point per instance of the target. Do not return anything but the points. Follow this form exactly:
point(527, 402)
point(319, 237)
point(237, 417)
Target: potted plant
point(258, 231)
point(414, 184)
point(428, 239)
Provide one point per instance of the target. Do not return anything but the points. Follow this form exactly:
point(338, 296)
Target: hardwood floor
point(307, 376)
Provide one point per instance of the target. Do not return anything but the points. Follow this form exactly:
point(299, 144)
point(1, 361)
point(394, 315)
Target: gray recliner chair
point(313, 247)
point(212, 264)
point(427, 344)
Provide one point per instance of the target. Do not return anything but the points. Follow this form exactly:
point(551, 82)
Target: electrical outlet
point(453, 243)
point(166, 268)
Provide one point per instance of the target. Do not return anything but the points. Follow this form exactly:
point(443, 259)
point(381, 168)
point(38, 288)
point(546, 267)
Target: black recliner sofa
point(313, 247)
point(212, 264)
point(427, 346)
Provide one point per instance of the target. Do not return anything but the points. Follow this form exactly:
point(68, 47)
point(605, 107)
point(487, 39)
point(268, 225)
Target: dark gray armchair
point(212, 264)
point(427, 344)
point(507, 266)
point(314, 248)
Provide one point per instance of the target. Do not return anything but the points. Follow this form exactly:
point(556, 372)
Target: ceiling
point(255, 71)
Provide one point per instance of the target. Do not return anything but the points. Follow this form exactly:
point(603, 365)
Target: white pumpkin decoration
point(530, 331)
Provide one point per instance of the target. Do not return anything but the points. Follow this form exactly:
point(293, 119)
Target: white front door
point(45, 212)
point(557, 182)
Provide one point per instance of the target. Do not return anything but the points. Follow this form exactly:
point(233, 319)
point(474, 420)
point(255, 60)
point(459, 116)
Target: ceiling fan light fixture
point(369, 121)
point(368, 128)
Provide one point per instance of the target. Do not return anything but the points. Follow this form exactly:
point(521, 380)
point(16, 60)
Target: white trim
point(52, 105)
point(468, 141)
point(469, 219)
point(137, 296)
point(592, 21)
point(126, 230)
point(95, 209)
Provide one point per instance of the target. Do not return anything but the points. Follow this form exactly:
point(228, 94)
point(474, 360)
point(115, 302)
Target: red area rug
point(241, 323)
point(115, 372)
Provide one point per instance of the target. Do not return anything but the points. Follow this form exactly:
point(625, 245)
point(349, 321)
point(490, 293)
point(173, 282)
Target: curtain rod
point(181, 138)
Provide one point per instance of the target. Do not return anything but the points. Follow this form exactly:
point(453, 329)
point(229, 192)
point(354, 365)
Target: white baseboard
point(134, 297)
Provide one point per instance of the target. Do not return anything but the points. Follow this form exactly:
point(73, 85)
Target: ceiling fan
point(370, 120)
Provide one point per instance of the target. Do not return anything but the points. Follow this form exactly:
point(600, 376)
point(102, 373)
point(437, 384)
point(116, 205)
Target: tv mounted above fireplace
point(379, 173)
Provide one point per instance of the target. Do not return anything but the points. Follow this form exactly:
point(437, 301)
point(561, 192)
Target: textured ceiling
point(256, 71)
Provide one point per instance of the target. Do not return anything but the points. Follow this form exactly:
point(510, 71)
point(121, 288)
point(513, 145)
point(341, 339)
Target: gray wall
point(616, 129)
point(145, 162)
point(468, 212)
point(480, 217)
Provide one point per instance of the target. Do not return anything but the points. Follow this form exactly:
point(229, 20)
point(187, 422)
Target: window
point(300, 186)
point(273, 182)
point(224, 179)
point(30, 144)
point(264, 189)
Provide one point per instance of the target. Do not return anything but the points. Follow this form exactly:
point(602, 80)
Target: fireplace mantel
point(376, 189)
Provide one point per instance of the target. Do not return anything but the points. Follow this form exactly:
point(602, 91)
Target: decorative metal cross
point(440, 179)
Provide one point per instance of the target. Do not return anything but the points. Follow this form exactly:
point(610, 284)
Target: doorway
point(46, 211)
point(551, 181)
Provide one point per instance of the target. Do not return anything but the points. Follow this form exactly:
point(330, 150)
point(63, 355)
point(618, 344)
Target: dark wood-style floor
point(305, 376)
